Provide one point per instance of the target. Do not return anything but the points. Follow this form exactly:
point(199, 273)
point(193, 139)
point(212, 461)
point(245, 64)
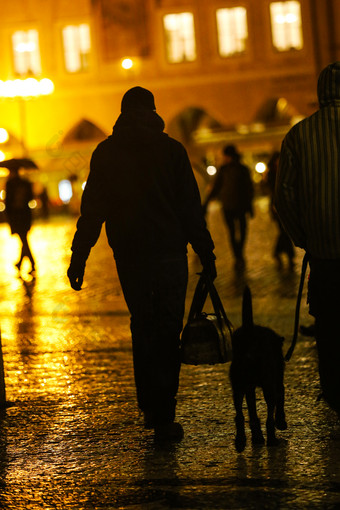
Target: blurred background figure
point(283, 244)
point(234, 188)
point(45, 203)
point(19, 193)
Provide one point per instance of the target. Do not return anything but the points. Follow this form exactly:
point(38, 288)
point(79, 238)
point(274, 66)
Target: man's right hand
point(76, 278)
point(76, 272)
point(209, 268)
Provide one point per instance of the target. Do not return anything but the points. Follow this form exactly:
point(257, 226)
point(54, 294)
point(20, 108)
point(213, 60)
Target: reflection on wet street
point(72, 436)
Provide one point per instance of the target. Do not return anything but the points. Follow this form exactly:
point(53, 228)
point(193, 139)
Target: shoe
point(169, 432)
point(334, 404)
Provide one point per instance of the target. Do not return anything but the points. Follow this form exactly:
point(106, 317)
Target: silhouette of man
point(234, 188)
point(142, 186)
point(307, 199)
point(19, 216)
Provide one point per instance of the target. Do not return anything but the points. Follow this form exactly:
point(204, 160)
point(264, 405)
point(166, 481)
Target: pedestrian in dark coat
point(142, 186)
point(307, 199)
point(19, 193)
point(234, 188)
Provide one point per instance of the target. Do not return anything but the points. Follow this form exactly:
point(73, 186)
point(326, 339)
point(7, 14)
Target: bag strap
point(204, 287)
point(221, 316)
point(200, 296)
point(297, 308)
point(217, 303)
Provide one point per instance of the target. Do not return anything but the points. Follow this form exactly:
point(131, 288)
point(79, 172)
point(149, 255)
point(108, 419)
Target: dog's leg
point(240, 439)
point(270, 399)
point(280, 418)
point(254, 422)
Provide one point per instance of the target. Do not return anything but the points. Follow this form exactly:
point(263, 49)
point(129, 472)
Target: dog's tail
point(247, 309)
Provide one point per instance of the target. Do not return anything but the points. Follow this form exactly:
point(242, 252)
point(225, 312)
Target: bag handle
point(204, 287)
point(217, 303)
point(200, 296)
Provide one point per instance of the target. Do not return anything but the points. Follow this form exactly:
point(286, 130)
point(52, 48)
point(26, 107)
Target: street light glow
point(4, 136)
point(46, 86)
point(65, 191)
point(32, 204)
point(211, 170)
point(127, 63)
point(30, 87)
point(260, 167)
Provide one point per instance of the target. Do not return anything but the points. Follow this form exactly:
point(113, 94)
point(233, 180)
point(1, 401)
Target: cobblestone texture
point(73, 438)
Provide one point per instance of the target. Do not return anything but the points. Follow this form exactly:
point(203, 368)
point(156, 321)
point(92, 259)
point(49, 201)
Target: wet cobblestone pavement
point(73, 438)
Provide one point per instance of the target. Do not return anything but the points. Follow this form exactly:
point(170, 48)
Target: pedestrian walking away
point(234, 188)
point(283, 243)
point(307, 199)
point(141, 185)
point(19, 193)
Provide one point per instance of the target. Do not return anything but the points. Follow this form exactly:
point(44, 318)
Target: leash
point(297, 308)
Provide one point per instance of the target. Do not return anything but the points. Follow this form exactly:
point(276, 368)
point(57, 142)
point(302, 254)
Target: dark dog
point(257, 362)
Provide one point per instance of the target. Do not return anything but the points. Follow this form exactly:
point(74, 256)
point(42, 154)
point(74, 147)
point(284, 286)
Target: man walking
point(308, 202)
point(234, 188)
point(142, 186)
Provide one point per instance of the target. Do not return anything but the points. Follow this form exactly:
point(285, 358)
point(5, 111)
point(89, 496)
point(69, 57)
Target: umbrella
point(16, 163)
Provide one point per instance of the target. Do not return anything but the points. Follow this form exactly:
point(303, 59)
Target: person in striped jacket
point(307, 199)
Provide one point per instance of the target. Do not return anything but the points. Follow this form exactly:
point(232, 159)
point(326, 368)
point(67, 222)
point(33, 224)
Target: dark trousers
point(283, 243)
point(237, 226)
point(155, 297)
point(324, 300)
point(25, 250)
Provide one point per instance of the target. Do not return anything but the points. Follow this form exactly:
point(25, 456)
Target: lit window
point(77, 44)
point(180, 37)
point(232, 30)
point(286, 25)
point(26, 53)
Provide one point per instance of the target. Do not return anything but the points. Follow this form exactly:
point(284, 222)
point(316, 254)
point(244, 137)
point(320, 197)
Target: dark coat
point(18, 194)
point(142, 186)
point(234, 188)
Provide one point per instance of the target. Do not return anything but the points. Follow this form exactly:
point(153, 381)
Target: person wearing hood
point(141, 185)
point(307, 199)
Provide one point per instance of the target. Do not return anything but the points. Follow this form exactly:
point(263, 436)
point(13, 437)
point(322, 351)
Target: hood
point(140, 125)
point(329, 85)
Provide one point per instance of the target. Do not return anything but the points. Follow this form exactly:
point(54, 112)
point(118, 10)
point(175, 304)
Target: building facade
point(223, 70)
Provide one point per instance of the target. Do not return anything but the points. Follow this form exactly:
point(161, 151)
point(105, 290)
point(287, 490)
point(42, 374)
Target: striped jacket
point(307, 194)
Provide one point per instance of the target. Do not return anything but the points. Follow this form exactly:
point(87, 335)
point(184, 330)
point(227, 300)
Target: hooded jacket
point(307, 195)
point(142, 186)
